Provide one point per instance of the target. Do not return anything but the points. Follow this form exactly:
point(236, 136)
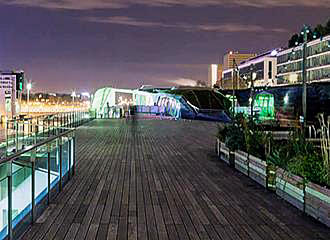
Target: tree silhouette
point(318, 32)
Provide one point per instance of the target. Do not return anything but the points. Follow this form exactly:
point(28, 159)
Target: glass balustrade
point(30, 178)
point(24, 132)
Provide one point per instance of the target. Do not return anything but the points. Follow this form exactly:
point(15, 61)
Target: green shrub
point(257, 140)
point(233, 134)
point(299, 157)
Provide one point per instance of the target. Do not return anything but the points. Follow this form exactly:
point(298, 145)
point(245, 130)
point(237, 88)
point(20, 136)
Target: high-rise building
point(263, 67)
point(289, 63)
point(219, 79)
point(228, 59)
point(212, 75)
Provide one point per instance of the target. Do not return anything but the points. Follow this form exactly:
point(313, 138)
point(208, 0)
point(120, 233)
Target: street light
point(253, 77)
point(28, 87)
point(304, 32)
point(73, 95)
point(236, 74)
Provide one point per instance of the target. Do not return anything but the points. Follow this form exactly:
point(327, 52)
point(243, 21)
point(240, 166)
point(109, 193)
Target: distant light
point(274, 53)
point(286, 99)
point(73, 94)
point(29, 86)
point(302, 32)
point(85, 94)
point(254, 76)
point(231, 52)
point(296, 43)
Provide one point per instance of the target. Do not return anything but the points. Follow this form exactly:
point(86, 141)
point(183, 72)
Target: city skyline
point(84, 45)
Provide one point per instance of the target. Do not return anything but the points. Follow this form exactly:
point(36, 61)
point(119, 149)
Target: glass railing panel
point(3, 200)
point(72, 153)
point(41, 178)
point(21, 193)
point(54, 163)
point(65, 155)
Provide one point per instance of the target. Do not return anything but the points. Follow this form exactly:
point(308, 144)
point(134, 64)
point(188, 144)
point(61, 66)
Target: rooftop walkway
point(152, 179)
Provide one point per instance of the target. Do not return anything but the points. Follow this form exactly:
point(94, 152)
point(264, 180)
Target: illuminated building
point(175, 102)
point(8, 102)
point(213, 75)
point(263, 66)
point(289, 63)
point(109, 102)
point(228, 59)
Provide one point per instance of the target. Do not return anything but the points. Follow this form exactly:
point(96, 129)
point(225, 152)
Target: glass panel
point(72, 151)
point(21, 190)
point(3, 201)
point(41, 174)
point(54, 164)
point(65, 156)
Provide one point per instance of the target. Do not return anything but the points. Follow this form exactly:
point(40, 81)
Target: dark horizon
point(86, 44)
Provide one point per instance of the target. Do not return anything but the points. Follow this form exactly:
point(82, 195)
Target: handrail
point(64, 165)
point(29, 148)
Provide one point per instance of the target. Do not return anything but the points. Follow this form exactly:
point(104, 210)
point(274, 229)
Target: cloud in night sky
point(183, 82)
point(86, 44)
point(227, 27)
point(100, 4)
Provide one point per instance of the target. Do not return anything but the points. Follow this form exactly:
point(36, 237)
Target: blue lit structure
point(179, 103)
point(189, 103)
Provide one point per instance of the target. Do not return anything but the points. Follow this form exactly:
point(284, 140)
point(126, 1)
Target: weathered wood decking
point(162, 180)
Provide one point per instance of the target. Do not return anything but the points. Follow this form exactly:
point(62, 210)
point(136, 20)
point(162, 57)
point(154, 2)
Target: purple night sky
point(86, 44)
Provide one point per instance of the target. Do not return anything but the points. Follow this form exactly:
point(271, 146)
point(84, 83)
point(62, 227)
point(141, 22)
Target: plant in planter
point(258, 147)
point(325, 146)
point(232, 135)
point(257, 140)
point(305, 160)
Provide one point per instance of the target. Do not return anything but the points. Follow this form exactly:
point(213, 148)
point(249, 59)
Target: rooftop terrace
point(151, 179)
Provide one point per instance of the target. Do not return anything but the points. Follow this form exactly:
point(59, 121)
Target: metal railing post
point(48, 173)
point(33, 168)
point(69, 156)
point(73, 154)
point(60, 155)
point(10, 201)
point(54, 125)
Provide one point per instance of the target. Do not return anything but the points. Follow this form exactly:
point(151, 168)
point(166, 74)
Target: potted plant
point(230, 138)
point(257, 145)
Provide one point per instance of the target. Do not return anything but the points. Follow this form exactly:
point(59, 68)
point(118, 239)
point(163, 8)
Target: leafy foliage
point(256, 139)
point(318, 31)
point(299, 157)
point(233, 134)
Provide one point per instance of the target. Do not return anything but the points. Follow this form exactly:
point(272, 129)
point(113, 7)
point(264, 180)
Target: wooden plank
point(162, 180)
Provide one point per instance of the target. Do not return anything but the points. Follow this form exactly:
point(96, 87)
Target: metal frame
point(9, 161)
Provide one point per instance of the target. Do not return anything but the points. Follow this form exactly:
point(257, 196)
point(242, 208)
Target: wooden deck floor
point(161, 180)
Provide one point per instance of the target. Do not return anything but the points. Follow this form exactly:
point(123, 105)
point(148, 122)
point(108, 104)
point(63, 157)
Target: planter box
point(258, 170)
point(291, 188)
point(226, 155)
point(317, 202)
point(217, 147)
point(242, 162)
point(271, 177)
point(224, 152)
